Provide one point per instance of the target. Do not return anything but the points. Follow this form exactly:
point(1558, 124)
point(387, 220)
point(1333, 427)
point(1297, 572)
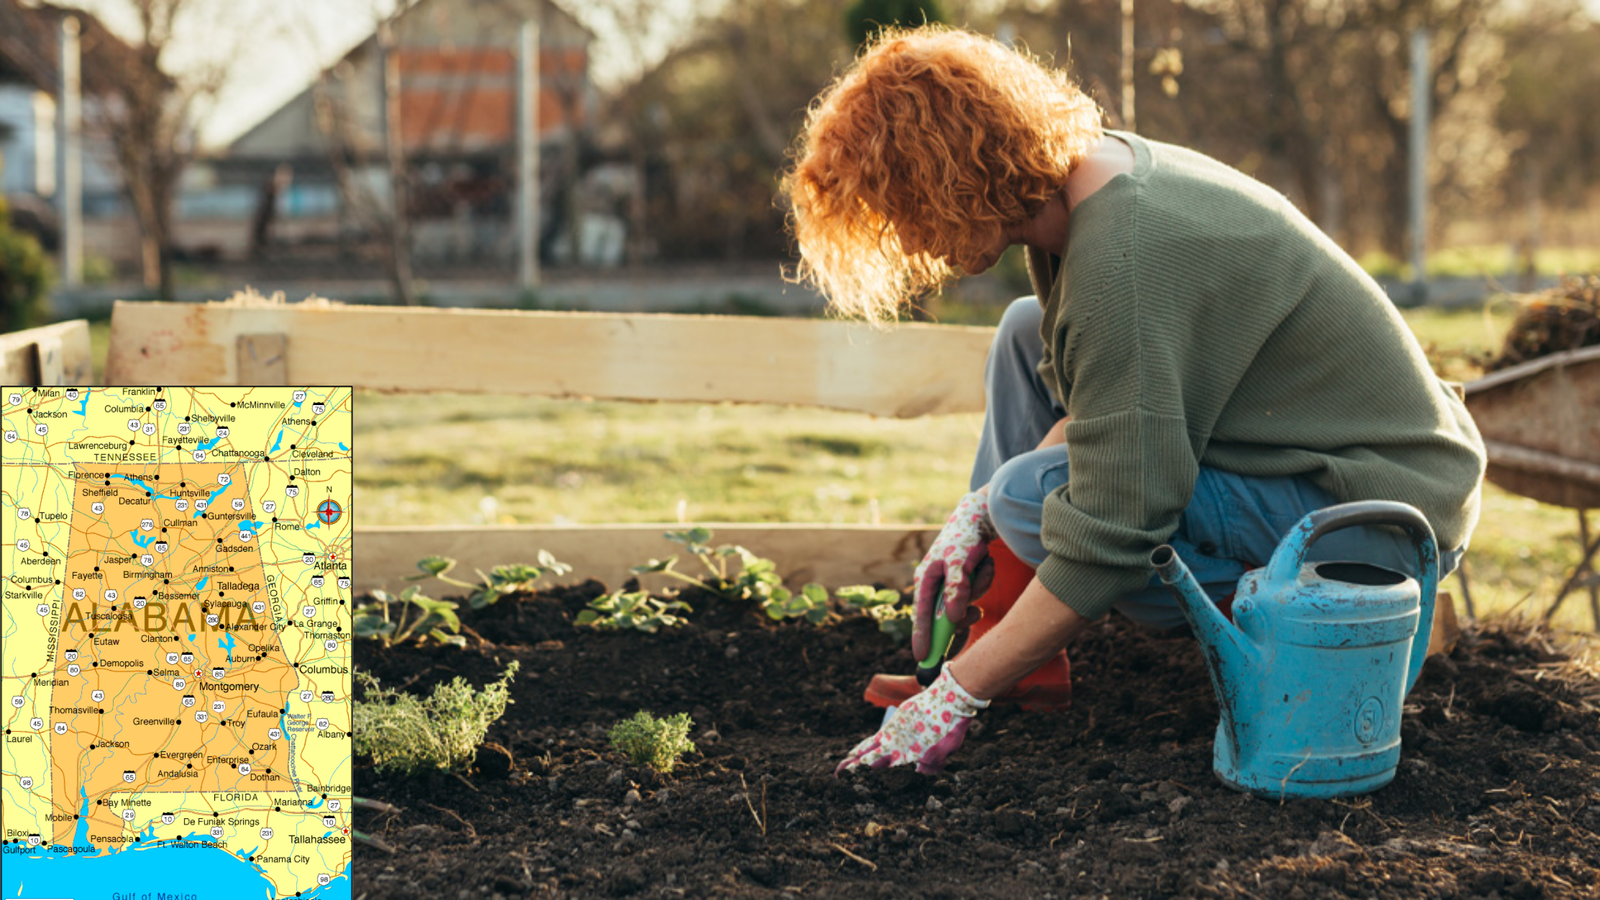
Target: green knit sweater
point(1195, 317)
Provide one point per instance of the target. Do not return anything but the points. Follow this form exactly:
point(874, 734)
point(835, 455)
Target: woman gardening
point(1200, 365)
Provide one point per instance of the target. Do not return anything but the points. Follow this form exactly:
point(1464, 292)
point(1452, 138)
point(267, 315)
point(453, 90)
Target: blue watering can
point(1311, 673)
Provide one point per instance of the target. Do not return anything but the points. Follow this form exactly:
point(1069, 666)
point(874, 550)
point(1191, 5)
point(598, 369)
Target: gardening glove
point(947, 570)
point(924, 730)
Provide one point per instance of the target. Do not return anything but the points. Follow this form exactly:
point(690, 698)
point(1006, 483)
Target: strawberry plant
point(393, 620)
point(756, 579)
point(631, 611)
point(501, 580)
point(882, 605)
point(810, 603)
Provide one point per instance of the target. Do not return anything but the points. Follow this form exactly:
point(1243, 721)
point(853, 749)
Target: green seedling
point(883, 606)
point(756, 579)
point(501, 580)
point(407, 734)
point(811, 603)
point(394, 620)
point(632, 610)
point(657, 743)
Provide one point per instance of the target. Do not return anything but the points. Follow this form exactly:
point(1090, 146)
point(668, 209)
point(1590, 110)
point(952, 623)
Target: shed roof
point(30, 35)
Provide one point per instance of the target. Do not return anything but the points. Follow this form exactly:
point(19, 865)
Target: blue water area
point(226, 643)
point(202, 584)
point(314, 803)
point(191, 637)
point(283, 723)
point(80, 836)
point(297, 403)
point(252, 527)
point(135, 481)
point(342, 446)
point(144, 542)
point(83, 407)
point(279, 442)
point(211, 443)
point(315, 523)
point(212, 499)
point(208, 873)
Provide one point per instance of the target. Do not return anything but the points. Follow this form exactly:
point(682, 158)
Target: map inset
point(176, 628)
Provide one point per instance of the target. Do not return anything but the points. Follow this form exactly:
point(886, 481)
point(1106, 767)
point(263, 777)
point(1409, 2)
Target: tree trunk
point(150, 258)
point(1394, 206)
point(1397, 197)
point(163, 240)
point(1291, 133)
point(394, 149)
point(151, 196)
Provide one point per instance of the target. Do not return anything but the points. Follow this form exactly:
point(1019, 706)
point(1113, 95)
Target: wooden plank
point(1539, 423)
point(263, 360)
point(1538, 462)
point(905, 371)
point(1532, 367)
point(1446, 627)
point(835, 555)
point(49, 356)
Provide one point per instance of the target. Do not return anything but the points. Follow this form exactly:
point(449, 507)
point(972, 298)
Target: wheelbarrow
point(1540, 422)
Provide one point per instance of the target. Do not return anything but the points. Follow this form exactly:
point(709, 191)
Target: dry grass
point(1574, 657)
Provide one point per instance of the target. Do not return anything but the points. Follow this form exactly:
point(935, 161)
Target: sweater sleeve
point(1132, 473)
point(1132, 455)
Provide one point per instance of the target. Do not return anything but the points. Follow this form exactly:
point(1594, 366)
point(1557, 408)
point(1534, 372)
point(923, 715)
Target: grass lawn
point(447, 458)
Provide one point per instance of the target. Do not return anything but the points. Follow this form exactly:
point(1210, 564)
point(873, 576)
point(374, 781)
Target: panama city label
point(176, 660)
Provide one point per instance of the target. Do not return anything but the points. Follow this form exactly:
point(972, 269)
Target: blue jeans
point(1232, 524)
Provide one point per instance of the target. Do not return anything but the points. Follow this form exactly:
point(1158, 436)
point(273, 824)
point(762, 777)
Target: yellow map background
point(86, 503)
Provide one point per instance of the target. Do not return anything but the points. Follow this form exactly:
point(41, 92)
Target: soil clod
point(494, 761)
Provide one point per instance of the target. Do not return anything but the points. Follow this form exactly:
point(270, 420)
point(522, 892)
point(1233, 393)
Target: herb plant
point(406, 733)
point(657, 743)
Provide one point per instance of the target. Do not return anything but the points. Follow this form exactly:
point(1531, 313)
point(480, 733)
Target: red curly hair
point(915, 160)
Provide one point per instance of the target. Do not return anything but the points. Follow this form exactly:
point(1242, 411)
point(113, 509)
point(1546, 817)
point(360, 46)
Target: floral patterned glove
point(946, 571)
point(925, 730)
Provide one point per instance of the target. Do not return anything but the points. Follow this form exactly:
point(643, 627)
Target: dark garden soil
point(1497, 795)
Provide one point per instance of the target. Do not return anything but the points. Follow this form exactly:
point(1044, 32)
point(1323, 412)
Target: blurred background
point(624, 155)
point(301, 143)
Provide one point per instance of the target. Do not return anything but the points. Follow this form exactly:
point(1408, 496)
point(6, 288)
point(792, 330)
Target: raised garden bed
point(1498, 791)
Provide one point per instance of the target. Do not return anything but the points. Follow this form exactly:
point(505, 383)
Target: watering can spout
point(1228, 644)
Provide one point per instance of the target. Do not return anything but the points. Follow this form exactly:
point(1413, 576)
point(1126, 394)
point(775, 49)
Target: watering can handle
point(1291, 555)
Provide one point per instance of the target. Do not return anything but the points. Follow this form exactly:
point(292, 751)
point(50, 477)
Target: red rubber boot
point(1047, 688)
